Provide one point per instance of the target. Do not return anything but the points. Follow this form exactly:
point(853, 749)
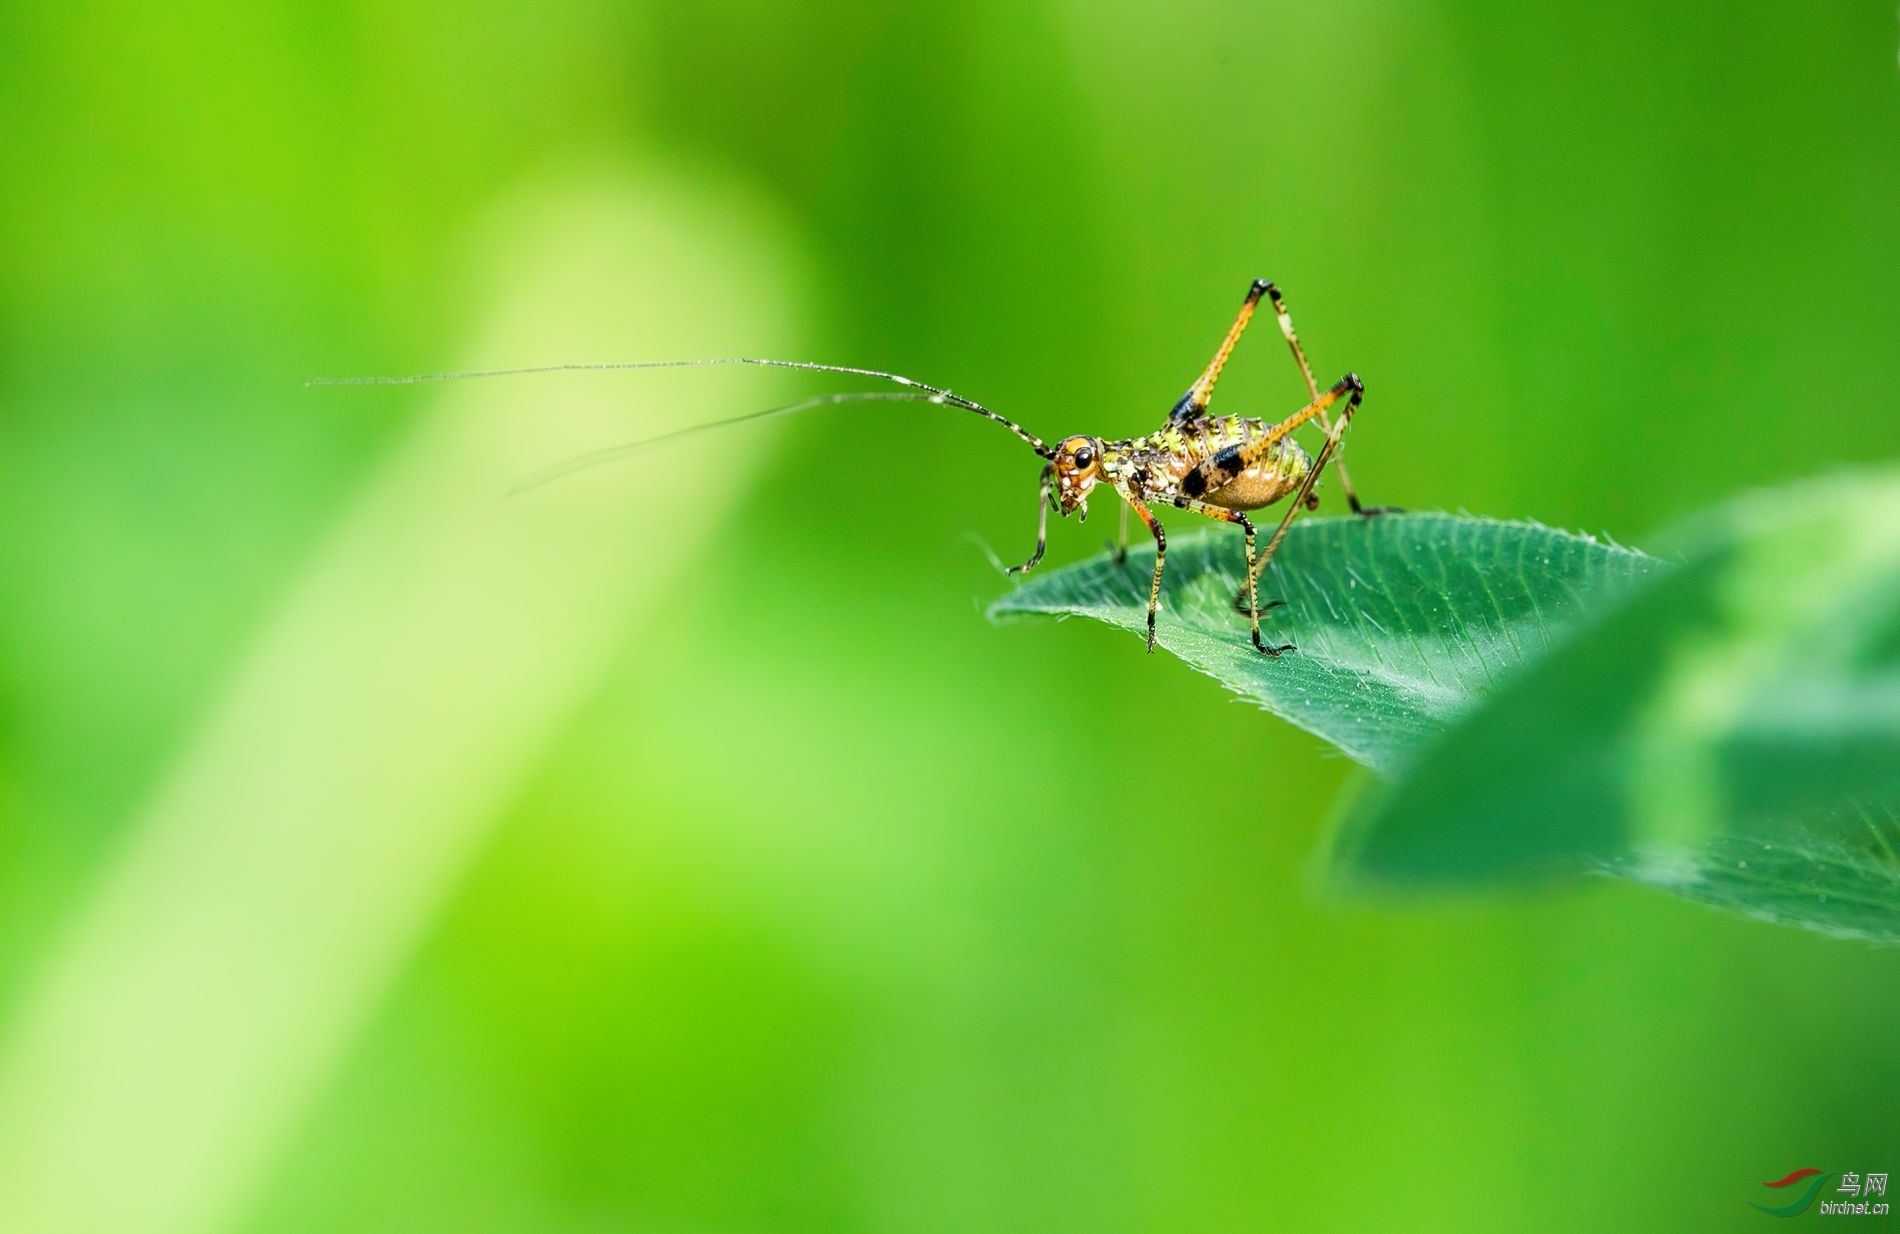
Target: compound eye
point(1085, 457)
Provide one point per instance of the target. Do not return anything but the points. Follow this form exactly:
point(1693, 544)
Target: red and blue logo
point(1799, 1204)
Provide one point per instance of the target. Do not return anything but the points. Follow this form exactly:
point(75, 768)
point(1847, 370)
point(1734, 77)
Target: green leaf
point(1401, 622)
point(1731, 733)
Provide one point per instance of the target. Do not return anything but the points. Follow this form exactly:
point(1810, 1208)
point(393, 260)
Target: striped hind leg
point(1193, 404)
point(1312, 392)
point(1299, 504)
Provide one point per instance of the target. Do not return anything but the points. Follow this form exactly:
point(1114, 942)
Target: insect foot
point(1268, 650)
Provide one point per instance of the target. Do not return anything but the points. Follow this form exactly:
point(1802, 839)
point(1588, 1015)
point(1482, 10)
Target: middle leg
point(1250, 590)
point(1161, 555)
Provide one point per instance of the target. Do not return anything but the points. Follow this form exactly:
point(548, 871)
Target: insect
point(1216, 466)
point(1220, 467)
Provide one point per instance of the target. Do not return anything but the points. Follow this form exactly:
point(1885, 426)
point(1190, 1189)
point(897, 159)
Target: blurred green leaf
point(1731, 734)
point(1401, 622)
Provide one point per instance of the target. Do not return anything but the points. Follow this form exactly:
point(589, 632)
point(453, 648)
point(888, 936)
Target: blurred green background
point(678, 849)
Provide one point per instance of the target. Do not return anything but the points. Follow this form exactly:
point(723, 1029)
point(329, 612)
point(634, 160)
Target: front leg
point(1042, 524)
point(1161, 555)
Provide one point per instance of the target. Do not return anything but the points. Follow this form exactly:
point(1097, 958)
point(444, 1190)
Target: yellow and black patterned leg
point(1161, 555)
point(1193, 404)
point(1042, 524)
point(1325, 425)
point(1249, 592)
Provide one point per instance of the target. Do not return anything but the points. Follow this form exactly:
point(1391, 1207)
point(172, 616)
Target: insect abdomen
point(1158, 467)
point(1281, 471)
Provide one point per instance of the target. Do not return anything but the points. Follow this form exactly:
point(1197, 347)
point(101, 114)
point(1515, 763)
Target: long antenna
point(937, 394)
point(615, 454)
